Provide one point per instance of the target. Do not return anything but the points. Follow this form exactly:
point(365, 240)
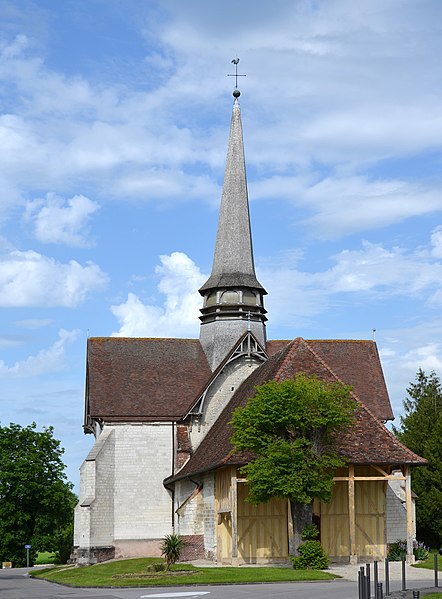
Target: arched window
point(249, 298)
point(211, 299)
point(230, 297)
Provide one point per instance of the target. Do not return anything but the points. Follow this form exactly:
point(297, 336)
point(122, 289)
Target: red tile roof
point(356, 363)
point(143, 379)
point(367, 442)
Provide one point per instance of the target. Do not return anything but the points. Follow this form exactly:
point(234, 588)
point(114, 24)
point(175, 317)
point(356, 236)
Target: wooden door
point(262, 529)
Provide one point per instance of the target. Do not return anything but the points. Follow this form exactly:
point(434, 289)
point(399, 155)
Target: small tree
point(292, 428)
point(36, 501)
point(421, 431)
point(172, 547)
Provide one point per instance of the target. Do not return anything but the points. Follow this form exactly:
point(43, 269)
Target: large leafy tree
point(36, 500)
point(292, 428)
point(421, 430)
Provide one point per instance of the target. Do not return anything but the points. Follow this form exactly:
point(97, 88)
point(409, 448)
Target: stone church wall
point(209, 516)
point(123, 503)
point(195, 515)
point(143, 459)
point(219, 395)
point(94, 511)
point(396, 513)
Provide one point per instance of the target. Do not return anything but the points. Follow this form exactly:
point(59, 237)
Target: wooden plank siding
point(223, 507)
point(335, 534)
point(262, 530)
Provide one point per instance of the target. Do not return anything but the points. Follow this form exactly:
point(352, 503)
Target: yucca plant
point(172, 547)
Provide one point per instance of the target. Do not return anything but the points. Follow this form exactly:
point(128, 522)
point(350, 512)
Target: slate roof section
point(143, 379)
point(233, 264)
point(356, 363)
point(367, 442)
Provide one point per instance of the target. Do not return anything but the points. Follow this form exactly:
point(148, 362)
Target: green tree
point(36, 501)
point(421, 430)
point(172, 547)
point(291, 427)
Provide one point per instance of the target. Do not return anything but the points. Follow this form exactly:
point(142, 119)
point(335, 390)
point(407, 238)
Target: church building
point(160, 410)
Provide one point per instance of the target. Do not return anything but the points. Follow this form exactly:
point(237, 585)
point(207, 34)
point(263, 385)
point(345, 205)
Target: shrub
point(420, 552)
point(310, 533)
point(172, 547)
point(311, 553)
point(398, 550)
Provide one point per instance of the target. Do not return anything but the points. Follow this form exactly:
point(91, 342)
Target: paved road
point(15, 584)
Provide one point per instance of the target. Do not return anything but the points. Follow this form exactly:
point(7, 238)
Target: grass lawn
point(135, 573)
point(433, 595)
point(429, 562)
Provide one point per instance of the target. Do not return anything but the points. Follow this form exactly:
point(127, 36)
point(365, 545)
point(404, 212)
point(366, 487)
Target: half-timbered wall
point(246, 533)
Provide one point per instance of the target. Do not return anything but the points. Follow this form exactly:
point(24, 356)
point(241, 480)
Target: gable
point(143, 379)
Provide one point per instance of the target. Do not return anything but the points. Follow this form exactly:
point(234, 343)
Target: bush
point(420, 552)
point(311, 553)
point(311, 557)
point(398, 550)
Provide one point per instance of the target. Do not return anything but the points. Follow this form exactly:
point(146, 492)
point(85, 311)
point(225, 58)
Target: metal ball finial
point(236, 92)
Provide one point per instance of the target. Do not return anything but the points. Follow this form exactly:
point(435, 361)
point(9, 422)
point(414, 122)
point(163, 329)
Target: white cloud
point(31, 279)
point(33, 323)
point(370, 273)
point(58, 220)
point(436, 242)
point(343, 205)
point(179, 281)
point(46, 361)
point(376, 268)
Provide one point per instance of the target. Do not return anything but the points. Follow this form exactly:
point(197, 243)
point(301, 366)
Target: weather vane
point(235, 61)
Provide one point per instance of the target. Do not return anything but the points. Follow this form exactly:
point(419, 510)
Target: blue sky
point(114, 119)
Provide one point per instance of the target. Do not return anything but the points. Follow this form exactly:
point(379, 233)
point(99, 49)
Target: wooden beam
point(388, 477)
point(381, 470)
point(352, 514)
point(409, 508)
point(234, 506)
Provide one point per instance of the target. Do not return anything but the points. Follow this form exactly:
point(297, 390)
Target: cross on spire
point(235, 61)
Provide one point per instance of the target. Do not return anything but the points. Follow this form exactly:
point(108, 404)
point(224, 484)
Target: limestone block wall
point(396, 514)
point(219, 395)
point(143, 459)
point(195, 513)
point(209, 515)
point(94, 512)
point(189, 508)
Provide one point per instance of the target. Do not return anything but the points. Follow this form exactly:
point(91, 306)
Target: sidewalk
point(351, 572)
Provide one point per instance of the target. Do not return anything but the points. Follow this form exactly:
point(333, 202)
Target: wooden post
point(234, 507)
point(352, 514)
point(409, 508)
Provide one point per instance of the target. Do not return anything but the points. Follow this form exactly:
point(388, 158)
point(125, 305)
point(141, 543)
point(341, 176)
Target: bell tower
point(233, 297)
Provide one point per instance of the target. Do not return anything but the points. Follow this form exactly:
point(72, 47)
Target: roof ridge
point(96, 338)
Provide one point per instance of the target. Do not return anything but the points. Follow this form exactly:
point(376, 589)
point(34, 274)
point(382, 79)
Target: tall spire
point(233, 297)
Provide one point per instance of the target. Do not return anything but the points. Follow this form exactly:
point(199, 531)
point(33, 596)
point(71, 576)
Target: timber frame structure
point(353, 525)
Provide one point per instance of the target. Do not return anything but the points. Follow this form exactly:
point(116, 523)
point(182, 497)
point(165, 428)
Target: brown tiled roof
point(356, 363)
point(144, 379)
point(367, 442)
